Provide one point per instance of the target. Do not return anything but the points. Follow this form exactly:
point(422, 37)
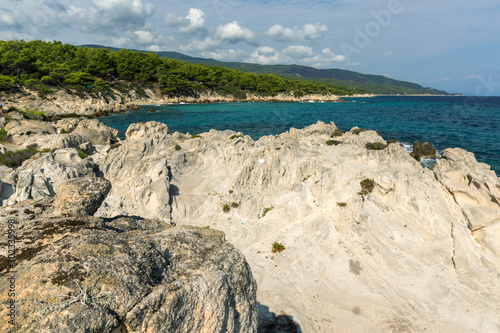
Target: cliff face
point(373, 241)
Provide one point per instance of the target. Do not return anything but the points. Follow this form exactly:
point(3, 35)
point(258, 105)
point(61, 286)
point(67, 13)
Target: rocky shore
point(122, 235)
point(91, 104)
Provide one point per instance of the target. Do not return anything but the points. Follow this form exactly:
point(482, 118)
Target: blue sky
point(452, 45)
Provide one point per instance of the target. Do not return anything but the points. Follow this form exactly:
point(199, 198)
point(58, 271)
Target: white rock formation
point(401, 258)
point(419, 253)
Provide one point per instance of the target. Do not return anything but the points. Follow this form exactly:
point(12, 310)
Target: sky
point(453, 45)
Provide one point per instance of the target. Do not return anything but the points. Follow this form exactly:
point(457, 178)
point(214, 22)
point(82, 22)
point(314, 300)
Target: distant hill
point(376, 84)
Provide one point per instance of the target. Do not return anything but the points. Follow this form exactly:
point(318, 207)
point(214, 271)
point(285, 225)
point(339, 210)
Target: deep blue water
point(467, 122)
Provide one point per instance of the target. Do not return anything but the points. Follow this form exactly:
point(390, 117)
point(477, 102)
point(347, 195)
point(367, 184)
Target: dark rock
point(392, 141)
point(423, 150)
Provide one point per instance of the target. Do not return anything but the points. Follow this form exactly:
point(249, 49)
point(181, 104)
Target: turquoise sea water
point(467, 122)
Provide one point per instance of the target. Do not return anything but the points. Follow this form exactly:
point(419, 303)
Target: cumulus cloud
point(121, 12)
point(194, 22)
point(226, 55)
point(298, 51)
point(265, 55)
point(235, 33)
point(201, 46)
point(297, 54)
point(309, 32)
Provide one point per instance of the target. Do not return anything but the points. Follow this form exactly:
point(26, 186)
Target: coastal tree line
point(47, 65)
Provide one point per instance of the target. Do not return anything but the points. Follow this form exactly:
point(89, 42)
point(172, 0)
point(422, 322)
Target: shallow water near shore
point(470, 123)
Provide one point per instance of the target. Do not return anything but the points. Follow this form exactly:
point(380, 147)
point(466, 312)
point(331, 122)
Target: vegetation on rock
point(277, 247)
point(265, 210)
point(375, 146)
point(367, 186)
point(16, 159)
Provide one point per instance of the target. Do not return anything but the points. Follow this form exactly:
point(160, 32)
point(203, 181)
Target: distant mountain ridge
point(376, 84)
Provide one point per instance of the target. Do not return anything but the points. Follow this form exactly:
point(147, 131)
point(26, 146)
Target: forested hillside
point(375, 84)
point(46, 66)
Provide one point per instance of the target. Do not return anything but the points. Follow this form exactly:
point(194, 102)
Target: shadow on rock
point(269, 322)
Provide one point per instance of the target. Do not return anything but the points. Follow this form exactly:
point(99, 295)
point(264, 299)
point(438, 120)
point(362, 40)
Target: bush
point(4, 136)
point(375, 146)
point(341, 204)
point(16, 159)
point(195, 136)
point(333, 142)
point(356, 131)
point(226, 208)
point(277, 247)
point(367, 186)
point(265, 210)
point(34, 114)
point(236, 136)
point(82, 154)
point(177, 147)
point(337, 132)
point(234, 205)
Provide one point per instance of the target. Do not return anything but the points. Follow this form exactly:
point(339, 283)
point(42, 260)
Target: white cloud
point(7, 18)
point(225, 55)
point(314, 31)
point(298, 51)
point(295, 54)
point(309, 32)
point(196, 19)
point(235, 33)
point(120, 12)
point(143, 37)
point(201, 46)
point(267, 51)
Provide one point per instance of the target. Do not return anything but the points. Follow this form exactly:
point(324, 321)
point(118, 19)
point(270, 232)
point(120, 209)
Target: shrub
point(195, 136)
point(333, 142)
point(226, 208)
point(4, 136)
point(341, 204)
point(375, 146)
point(236, 136)
point(356, 131)
point(265, 210)
point(367, 186)
point(230, 191)
point(82, 154)
point(34, 114)
point(234, 205)
point(177, 147)
point(306, 178)
point(16, 159)
point(337, 132)
point(277, 247)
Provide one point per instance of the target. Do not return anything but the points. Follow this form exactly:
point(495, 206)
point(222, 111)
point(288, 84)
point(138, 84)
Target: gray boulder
point(96, 132)
point(82, 274)
point(143, 130)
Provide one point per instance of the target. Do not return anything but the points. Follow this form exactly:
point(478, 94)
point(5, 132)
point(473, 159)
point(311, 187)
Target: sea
point(471, 123)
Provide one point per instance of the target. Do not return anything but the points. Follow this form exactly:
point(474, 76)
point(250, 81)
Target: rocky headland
point(130, 235)
point(90, 104)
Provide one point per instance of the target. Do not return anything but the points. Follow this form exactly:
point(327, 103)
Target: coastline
point(72, 103)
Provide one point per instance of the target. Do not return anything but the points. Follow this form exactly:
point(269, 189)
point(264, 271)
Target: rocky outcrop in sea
point(338, 236)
